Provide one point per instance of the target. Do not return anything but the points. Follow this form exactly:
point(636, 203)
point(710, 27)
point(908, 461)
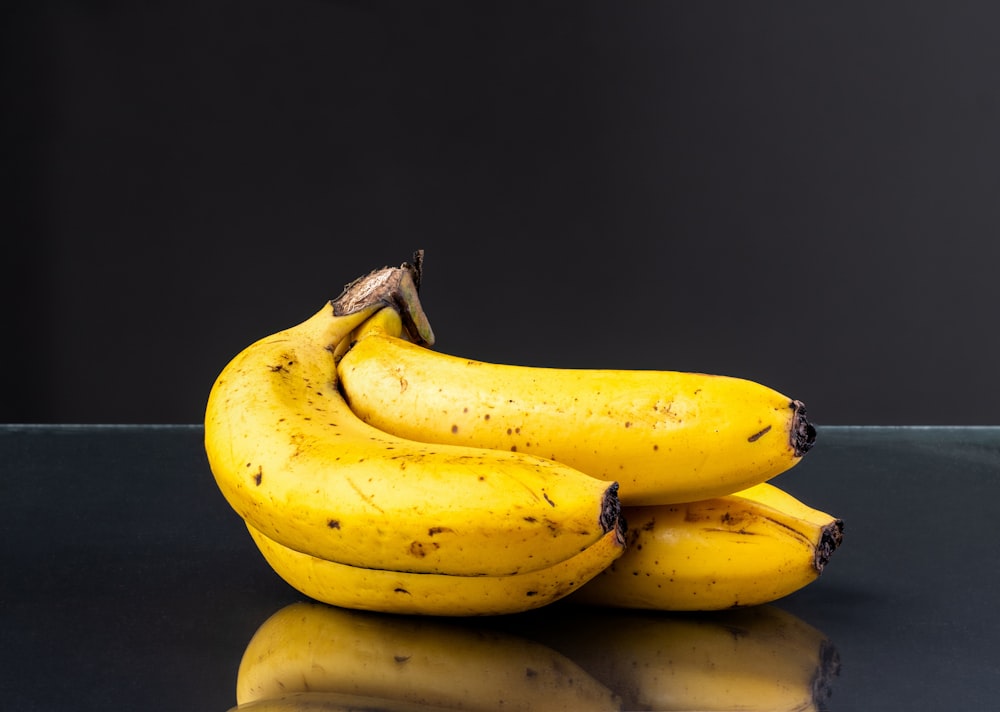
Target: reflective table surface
point(129, 583)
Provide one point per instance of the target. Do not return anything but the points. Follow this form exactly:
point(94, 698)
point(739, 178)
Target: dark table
point(128, 582)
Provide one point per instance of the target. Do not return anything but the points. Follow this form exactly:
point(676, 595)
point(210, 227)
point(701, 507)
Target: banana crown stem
point(395, 287)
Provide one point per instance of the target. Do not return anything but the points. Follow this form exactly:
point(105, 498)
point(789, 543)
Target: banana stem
point(395, 287)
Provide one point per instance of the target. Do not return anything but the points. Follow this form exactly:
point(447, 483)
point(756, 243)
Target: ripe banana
point(419, 661)
point(664, 436)
point(298, 465)
point(436, 594)
point(752, 659)
point(743, 549)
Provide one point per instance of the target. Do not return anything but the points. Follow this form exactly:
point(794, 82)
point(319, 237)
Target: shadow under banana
point(312, 656)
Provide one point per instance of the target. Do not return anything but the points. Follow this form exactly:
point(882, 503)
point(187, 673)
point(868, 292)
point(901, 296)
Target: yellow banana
point(436, 594)
point(773, 496)
point(318, 648)
point(294, 461)
point(716, 553)
point(664, 436)
point(759, 658)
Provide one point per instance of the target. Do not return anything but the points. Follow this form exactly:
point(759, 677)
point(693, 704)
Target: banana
point(717, 553)
point(295, 462)
point(759, 658)
point(664, 436)
point(419, 661)
point(436, 594)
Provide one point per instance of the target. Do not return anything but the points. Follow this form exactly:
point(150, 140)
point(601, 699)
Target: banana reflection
point(313, 657)
point(311, 647)
point(755, 658)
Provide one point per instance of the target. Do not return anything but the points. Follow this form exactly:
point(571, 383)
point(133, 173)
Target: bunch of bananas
point(309, 656)
point(374, 472)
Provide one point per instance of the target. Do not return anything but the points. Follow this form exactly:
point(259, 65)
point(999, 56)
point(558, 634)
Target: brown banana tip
point(829, 542)
point(803, 433)
point(611, 511)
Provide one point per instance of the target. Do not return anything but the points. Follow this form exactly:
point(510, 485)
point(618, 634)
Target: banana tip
point(803, 432)
point(611, 512)
point(829, 542)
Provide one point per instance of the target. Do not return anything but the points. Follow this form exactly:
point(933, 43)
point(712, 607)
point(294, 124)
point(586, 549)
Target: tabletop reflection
point(311, 656)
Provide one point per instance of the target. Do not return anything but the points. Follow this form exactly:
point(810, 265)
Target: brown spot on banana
point(758, 435)
point(555, 528)
point(419, 549)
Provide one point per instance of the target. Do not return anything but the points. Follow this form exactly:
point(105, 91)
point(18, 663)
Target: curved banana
point(318, 648)
point(714, 554)
point(752, 659)
point(664, 436)
point(436, 594)
point(293, 460)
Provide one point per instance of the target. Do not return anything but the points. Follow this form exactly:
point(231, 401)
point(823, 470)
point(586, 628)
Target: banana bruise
point(398, 592)
point(715, 554)
point(664, 436)
point(758, 658)
point(294, 461)
point(310, 647)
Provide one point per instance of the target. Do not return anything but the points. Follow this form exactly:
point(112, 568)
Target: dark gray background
point(805, 194)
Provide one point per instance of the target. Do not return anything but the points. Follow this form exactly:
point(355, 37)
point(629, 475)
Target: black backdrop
point(805, 194)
